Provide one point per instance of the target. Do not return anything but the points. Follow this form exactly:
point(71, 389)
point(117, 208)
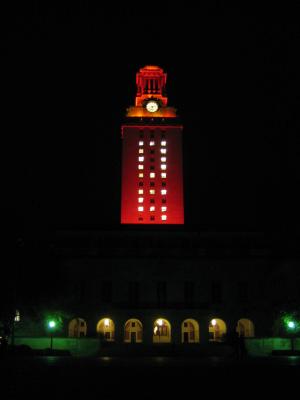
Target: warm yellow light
point(152, 174)
point(152, 191)
point(152, 143)
point(140, 208)
point(163, 166)
point(140, 166)
point(141, 191)
point(163, 151)
point(159, 322)
point(155, 329)
point(163, 175)
point(163, 143)
point(141, 143)
point(141, 151)
point(141, 159)
point(164, 209)
point(163, 159)
point(163, 191)
point(152, 208)
point(106, 322)
point(163, 217)
point(213, 322)
point(141, 175)
point(141, 199)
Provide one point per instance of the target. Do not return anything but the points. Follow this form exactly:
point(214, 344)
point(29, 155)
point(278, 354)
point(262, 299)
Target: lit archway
point(161, 331)
point(133, 331)
point(77, 327)
point(190, 331)
point(217, 330)
point(106, 329)
point(245, 327)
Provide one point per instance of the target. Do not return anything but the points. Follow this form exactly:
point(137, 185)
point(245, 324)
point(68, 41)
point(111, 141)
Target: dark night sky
point(69, 75)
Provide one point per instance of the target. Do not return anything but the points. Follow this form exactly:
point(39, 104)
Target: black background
point(69, 75)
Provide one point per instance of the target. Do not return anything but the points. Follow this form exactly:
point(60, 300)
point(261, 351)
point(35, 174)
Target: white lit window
point(163, 191)
point(140, 166)
point(141, 191)
point(163, 166)
point(163, 151)
point(17, 316)
point(163, 175)
point(163, 209)
point(163, 159)
point(141, 143)
point(141, 199)
point(141, 159)
point(152, 143)
point(141, 208)
point(152, 191)
point(152, 208)
point(163, 143)
point(141, 175)
point(163, 217)
point(141, 151)
point(152, 174)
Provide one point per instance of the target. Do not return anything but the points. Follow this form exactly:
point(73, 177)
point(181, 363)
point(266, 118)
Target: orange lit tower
point(152, 181)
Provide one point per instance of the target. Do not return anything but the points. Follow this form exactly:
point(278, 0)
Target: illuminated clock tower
point(152, 179)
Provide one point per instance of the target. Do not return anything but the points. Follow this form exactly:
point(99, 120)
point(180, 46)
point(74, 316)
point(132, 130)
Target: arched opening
point(245, 327)
point(133, 331)
point(190, 331)
point(161, 331)
point(217, 330)
point(106, 329)
point(77, 327)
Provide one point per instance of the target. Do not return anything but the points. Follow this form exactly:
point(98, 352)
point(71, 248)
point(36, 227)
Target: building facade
point(161, 282)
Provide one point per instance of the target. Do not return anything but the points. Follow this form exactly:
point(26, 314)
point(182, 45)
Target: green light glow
point(291, 324)
point(51, 324)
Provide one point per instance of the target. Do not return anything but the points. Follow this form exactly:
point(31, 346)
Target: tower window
point(151, 159)
point(141, 183)
point(141, 159)
point(163, 200)
point(141, 143)
point(163, 217)
point(152, 175)
point(151, 167)
point(141, 191)
point(152, 201)
point(152, 184)
point(140, 199)
point(140, 166)
point(162, 159)
point(163, 166)
point(152, 191)
point(141, 151)
point(163, 191)
point(152, 218)
point(163, 209)
point(152, 151)
point(163, 151)
point(163, 143)
point(152, 143)
point(140, 209)
point(141, 218)
point(141, 175)
point(163, 184)
point(152, 208)
point(163, 175)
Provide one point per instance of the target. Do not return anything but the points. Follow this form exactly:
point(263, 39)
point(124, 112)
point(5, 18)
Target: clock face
point(152, 106)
